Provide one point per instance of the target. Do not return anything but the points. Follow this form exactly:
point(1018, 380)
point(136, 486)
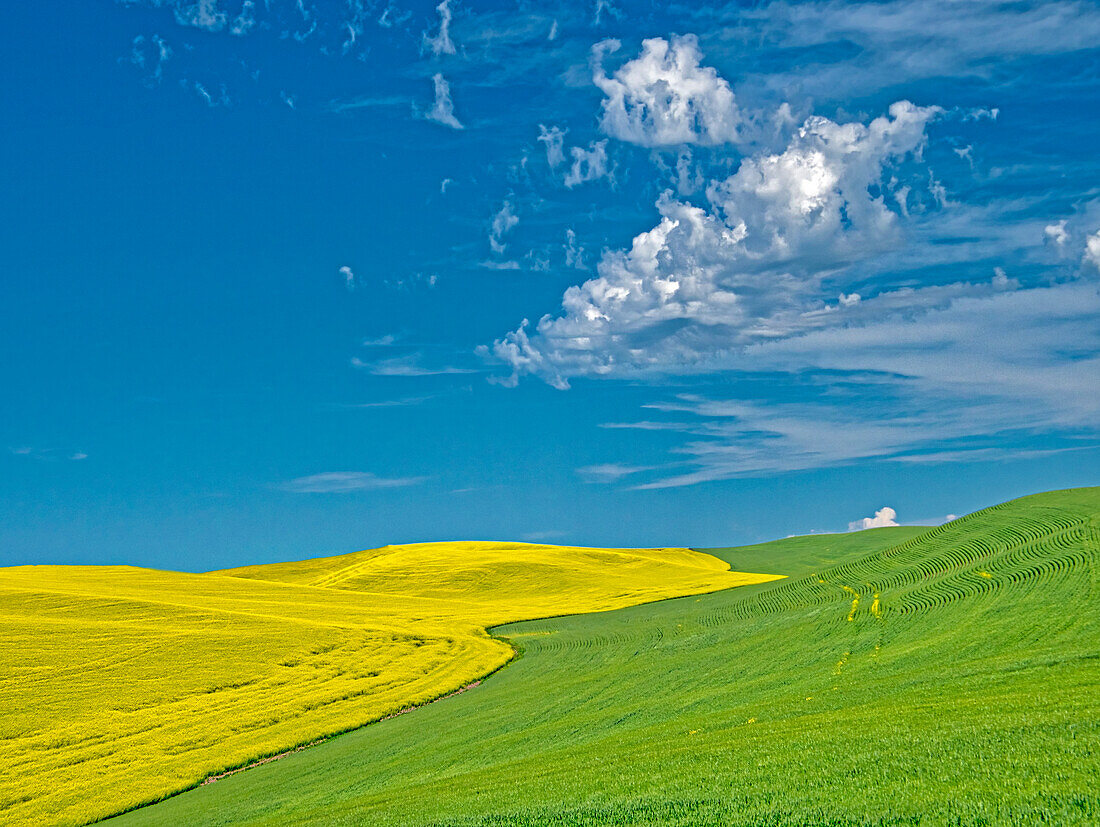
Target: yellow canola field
point(120, 685)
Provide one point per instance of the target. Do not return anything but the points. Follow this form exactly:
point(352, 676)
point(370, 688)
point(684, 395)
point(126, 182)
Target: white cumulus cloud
point(884, 517)
point(1092, 250)
point(1056, 233)
point(664, 97)
point(747, 269)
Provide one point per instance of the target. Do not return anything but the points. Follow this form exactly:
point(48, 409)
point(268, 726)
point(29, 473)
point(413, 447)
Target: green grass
point(969, 694)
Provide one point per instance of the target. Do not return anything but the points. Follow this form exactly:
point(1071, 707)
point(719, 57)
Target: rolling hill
point(945, 676)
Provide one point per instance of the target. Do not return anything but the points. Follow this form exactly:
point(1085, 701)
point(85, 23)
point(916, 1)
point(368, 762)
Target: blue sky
point(283, 279)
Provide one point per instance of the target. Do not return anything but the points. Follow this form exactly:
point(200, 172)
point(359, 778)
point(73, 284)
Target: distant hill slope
point(949, 678)
point(525, 578)
point(119, 686)
point(800, 555)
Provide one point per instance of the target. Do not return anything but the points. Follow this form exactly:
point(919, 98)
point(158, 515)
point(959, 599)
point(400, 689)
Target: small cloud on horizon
point(885, 517)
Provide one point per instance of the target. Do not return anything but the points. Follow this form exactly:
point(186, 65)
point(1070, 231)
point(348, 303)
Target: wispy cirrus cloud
point(494, 264)
point(817, 258)
point(346, 482)
point(402, 402)
point(150, 54)
point(440, 43)
point(210, 96)
point(443, 108)
point(504, 221)
point(201, 14)
point(973, 380)
point(369, 102)
point(407, 365)
point(611, 471)
point(48, 454)
point(586, 165)
point(244, 21)
point(897, 41)
point(348, 275)
point(809, 249)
